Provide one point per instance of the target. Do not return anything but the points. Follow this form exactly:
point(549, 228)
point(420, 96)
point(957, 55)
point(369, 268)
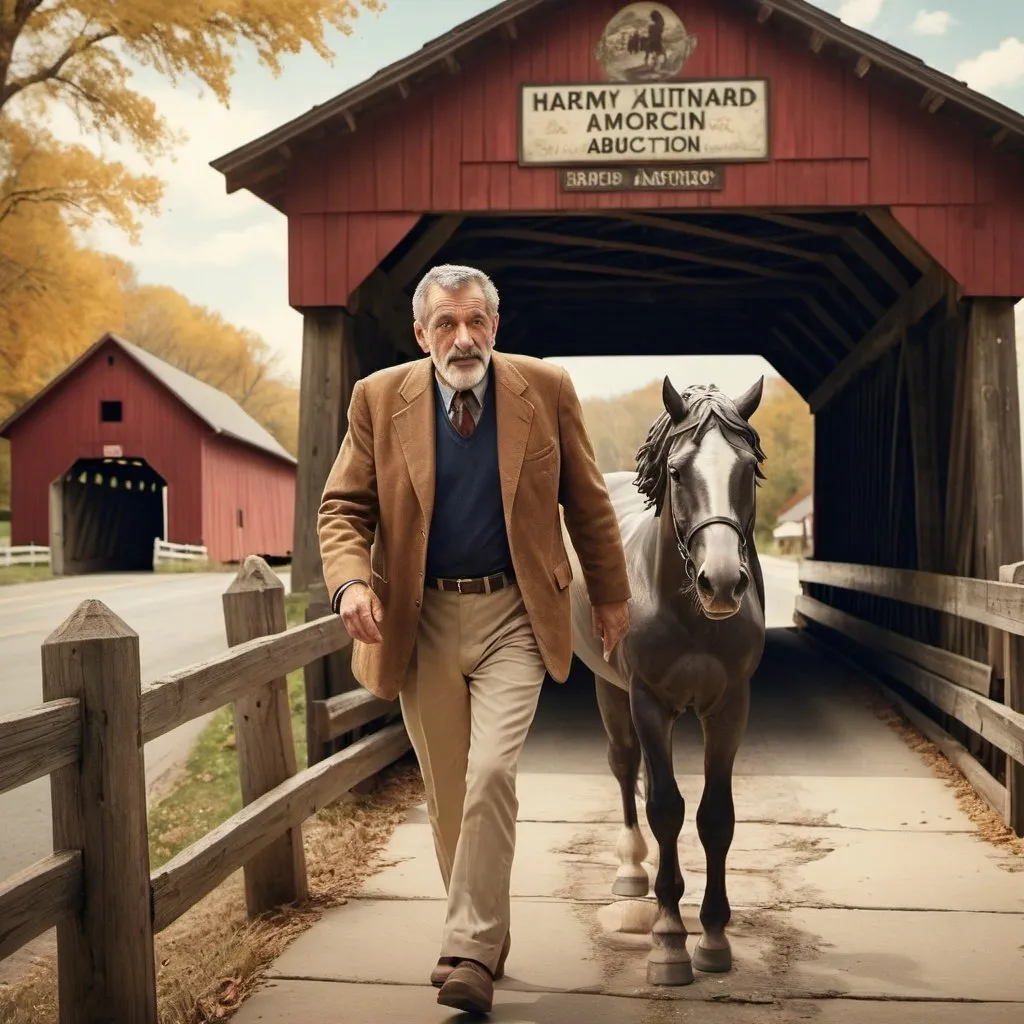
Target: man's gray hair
point(452, 277)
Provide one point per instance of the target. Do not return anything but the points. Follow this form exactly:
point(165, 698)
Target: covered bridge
point(122, 448)
point(753, 176)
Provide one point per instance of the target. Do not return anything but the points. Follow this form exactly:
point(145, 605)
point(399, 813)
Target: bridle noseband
point(684, 545)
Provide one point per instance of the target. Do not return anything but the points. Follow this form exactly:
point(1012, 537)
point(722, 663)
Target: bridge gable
point(837, 140)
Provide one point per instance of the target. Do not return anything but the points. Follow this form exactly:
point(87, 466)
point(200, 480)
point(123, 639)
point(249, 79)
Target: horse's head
point(703, 457)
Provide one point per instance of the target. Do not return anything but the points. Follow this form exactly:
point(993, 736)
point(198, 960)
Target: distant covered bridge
point(778, 184)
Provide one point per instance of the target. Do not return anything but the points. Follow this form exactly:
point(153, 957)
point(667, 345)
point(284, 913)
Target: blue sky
point(229, 252)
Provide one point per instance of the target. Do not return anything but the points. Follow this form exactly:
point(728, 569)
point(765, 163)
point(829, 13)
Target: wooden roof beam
point(423, 250)
point(613, 271)
point(623, 245)
point(862, 67)
point(509, 30)
point(377, 297)
point(764, 12)
point(902, 240)
point(817, 41)
point(904, 313)
point(799, 353)
point(829, 358)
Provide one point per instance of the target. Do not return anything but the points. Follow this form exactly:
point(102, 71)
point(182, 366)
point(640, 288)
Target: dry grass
point(990, 825)
point(211, 958)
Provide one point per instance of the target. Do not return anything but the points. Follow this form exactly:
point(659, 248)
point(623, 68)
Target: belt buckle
point(458, 584)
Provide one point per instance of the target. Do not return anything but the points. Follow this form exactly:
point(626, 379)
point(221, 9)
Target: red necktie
point(462, 414)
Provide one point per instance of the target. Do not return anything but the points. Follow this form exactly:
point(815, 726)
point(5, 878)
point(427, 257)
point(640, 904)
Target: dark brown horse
point(696, 637)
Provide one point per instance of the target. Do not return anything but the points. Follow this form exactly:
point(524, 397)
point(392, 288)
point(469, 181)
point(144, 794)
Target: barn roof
point(260, 165)
point(218, 410)
point(797, 509)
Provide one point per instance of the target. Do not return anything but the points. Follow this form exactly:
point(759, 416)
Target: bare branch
point(76, 48)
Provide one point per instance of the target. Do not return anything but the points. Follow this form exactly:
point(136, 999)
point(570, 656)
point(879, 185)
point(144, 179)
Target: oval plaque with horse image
point(644, 42)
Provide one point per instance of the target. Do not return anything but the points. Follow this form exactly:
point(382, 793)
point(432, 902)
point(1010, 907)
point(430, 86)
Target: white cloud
point(223, 247)
point(860, 13)
point(993, 69)
point(931, 23)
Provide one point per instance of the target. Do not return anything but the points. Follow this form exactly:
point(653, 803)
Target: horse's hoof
point(715, 961)
point(679, 972)
point(631, 885)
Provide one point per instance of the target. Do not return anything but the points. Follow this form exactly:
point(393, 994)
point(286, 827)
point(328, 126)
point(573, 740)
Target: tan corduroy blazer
point(379, 497)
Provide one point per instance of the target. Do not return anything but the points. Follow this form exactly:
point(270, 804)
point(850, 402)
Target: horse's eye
point(673, 472)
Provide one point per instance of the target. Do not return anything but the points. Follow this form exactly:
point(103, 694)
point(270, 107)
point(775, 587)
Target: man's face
point(458, 333)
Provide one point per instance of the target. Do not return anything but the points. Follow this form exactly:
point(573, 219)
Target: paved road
point(179, 621)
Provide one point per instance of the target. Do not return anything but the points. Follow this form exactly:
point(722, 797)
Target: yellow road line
point(53, 601)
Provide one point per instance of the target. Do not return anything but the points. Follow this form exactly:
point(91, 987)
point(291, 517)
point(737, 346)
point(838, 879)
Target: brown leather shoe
point(469, 987)
point(446, 964)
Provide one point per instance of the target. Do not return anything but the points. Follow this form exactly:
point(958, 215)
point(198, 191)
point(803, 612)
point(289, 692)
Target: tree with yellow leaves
point(80, 53)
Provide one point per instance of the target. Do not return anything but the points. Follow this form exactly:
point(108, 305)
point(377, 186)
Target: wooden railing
point(956, 685)
point(88, 736)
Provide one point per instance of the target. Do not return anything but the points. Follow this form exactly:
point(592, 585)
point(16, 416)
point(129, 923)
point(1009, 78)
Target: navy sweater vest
point(467, 530)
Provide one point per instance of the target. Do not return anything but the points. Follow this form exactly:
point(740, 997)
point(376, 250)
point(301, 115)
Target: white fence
point(168, 551)
point(24, 554)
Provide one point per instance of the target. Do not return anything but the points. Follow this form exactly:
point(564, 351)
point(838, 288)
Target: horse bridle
point(684, 545)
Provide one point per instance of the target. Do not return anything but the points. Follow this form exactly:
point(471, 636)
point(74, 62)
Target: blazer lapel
point(415, 427)
point(515, 415)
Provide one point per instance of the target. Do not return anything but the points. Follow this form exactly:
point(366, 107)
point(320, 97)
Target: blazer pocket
point(563, 575)
point(544, 453)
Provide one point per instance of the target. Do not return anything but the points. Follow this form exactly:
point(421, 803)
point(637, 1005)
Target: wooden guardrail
point(954, 684)
point(88, 736)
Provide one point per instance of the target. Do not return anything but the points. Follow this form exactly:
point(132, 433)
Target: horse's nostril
point(704, 584)
point(742, 584)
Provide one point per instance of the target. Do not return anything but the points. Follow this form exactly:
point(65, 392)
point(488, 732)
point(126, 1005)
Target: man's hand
point(361, 610)
point(610, 623)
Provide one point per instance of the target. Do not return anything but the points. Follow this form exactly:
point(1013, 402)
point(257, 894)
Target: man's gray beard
point(454, 371)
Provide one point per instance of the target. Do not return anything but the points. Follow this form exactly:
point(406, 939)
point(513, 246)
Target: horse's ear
point(674, 404)
point(747, 403)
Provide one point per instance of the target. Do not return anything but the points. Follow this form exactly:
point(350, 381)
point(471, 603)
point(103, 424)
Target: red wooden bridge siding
point(236, 476)
point(209, 476)
point(65, 425)
point(836, 140)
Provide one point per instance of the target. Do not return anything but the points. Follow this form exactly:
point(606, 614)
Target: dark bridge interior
point(799, 290)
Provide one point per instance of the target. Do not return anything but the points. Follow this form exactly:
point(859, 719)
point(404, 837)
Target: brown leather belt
point(475, 584)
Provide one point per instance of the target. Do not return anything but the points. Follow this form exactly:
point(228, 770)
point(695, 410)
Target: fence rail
point(953, 684)
point(168, 551)
point(88, 736)
point(24, 554)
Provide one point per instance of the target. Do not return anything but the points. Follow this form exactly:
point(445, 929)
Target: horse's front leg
point(716, 822)
point(669, 961)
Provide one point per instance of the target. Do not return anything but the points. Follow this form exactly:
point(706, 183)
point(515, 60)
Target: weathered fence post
point(1013, 697)
point(254, 606)
point(105, 967)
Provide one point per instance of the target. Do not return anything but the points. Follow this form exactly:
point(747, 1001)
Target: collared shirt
point(448, 393)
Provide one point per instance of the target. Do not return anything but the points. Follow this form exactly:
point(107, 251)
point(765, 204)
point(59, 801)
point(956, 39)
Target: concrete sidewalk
point(860, 891)
point(843, 890)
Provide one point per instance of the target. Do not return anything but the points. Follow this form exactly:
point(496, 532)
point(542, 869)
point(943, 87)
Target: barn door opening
point(105, 513)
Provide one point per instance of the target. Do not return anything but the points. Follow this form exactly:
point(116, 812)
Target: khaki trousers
point(468, 702)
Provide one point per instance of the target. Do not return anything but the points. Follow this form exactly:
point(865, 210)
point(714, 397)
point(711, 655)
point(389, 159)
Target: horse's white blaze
point(713, 464)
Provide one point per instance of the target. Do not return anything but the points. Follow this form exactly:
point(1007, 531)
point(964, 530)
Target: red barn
point(122, 448)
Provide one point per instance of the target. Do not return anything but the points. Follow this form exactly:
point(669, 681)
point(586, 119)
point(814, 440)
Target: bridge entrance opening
point(105, 515)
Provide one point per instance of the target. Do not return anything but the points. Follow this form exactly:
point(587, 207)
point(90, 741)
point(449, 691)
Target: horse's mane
point(706, 406)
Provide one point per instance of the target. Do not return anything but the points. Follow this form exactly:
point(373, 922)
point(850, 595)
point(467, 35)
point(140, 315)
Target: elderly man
point(442, 550)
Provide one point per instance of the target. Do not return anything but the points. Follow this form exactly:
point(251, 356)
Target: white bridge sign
point(718, 120)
